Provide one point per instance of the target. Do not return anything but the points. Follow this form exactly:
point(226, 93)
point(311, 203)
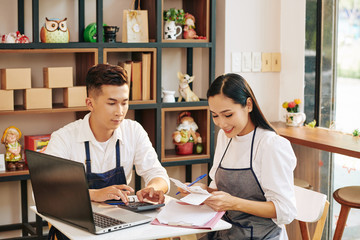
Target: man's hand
point(151, 194)
point(112, 192)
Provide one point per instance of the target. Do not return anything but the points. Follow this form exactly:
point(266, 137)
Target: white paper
point(197, 194)
point(174, 213)
point(2, 163)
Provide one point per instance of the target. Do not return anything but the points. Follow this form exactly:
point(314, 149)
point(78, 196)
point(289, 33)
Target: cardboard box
point(37, 143)
point(15, 78)
point(36, 98)
point(75, 96)
point(6, 100)
point(58, 77)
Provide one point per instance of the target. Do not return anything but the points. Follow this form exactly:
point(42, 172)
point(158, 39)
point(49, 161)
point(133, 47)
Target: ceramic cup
point(295, 119)
point(168, 96)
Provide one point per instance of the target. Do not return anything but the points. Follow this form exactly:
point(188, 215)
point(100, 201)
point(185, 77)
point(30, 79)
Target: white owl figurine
point(55, 31)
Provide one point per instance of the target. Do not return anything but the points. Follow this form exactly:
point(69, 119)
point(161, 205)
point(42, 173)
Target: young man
point(108, 144)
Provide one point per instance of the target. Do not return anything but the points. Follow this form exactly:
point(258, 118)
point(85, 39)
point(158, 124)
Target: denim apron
point(96, 181)
point(246, 186)
point(115, 176)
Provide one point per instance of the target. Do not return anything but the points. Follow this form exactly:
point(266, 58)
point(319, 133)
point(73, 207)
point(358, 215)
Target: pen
point(196, 180)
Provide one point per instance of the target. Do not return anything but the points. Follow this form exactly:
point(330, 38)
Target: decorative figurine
point(14, 38)
point(186, 135)
point(10, 138)
point(189, 27)
point(184, 88)
point(55, 31)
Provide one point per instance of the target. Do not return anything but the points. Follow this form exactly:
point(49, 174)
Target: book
point(136, 80)
point(127, 67)
point(145, 59)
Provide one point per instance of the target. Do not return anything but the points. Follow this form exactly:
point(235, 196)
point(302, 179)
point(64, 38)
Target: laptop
point(61, 191)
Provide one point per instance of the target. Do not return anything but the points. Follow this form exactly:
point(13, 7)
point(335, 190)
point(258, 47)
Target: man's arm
point(154, 191)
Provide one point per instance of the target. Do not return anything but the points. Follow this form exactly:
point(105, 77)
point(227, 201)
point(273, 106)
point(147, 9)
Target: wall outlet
point(246, 62)
point(266, 62)
point(256, 62)
point(236, 62)
point(275, 62)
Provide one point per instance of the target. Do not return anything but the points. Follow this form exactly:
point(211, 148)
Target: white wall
point(265, 26)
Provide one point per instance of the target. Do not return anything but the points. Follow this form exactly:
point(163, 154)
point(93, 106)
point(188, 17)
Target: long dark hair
point(236, 88)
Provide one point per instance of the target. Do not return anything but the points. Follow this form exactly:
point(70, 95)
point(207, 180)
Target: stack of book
point(139, 75)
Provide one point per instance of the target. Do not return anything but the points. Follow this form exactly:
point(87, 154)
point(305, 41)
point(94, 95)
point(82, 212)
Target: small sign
point(2, 163)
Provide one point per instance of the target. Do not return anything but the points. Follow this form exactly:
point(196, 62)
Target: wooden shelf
point(201, 116)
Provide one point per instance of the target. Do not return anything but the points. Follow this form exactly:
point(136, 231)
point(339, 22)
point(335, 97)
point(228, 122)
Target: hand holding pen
point(196, 180)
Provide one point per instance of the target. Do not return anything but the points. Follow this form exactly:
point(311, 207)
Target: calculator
point(135, 205)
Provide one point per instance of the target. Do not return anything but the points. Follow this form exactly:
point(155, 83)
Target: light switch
point(266, 62)
point(275, 62)
point(256, 62)
point(246, 62)
point(236, 62)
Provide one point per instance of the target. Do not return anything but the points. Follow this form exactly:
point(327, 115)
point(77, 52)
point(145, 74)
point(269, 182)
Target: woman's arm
point(222, 201)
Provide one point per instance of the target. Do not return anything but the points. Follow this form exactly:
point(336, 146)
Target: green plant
point(356, 133)
point(177, 15)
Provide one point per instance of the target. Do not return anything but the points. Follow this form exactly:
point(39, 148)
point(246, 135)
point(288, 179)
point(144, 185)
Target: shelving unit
point(87, 54)
point(150, 113)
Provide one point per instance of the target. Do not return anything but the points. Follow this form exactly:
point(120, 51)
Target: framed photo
point(2, 163)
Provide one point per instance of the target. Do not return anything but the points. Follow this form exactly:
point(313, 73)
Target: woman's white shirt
point(135, 149)
point(273, 163)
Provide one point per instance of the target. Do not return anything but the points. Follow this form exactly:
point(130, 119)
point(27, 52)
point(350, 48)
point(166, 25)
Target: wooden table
point(321, 138)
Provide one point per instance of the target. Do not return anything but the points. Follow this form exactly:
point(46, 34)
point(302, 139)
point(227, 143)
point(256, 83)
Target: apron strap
point(252, 145)
point(88, 161)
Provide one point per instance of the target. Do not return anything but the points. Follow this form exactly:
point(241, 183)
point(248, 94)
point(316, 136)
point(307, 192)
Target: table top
point(145, 231)
point(14, 175)
point(321, 138)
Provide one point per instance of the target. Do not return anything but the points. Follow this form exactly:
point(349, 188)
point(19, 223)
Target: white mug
point(168, 96)
point(295, 119)
point(170, 30)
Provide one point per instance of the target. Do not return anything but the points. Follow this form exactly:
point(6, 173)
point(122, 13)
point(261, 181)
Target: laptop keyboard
point(105, 221)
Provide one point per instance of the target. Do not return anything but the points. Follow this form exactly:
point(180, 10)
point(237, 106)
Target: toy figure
point(55, 31)
point(10, 138)
point(189, 27)
point(184, 88)
point(186, 132)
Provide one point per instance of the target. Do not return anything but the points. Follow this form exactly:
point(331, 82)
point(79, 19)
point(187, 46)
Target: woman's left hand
point(220, 201)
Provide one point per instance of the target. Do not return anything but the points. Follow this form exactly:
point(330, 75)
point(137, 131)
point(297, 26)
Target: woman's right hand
point(185, 193)
point(116, 192)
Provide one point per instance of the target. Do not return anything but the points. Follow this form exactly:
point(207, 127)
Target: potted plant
point(177, 15)
point(171, 18)
point(294, 118)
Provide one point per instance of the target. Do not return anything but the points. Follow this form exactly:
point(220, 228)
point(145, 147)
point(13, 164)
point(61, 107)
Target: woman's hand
point(151, 194)
point(220, 201)
point(116, 192)
point(185, 193)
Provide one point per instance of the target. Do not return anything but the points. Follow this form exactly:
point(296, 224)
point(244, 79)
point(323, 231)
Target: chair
point(348, 197)
point(302, 183)
point(311, 207)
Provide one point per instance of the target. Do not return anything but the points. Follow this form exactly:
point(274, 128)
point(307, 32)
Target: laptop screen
point(60, 189)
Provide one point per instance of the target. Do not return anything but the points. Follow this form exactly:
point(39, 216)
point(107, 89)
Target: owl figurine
point(55, 31)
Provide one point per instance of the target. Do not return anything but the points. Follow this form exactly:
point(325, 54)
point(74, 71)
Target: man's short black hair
point(104, 74)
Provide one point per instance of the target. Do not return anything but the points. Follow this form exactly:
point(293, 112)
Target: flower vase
point(171, 30)
point(295, 119)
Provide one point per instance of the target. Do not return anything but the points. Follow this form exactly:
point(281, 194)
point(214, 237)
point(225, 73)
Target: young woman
point(252, 173)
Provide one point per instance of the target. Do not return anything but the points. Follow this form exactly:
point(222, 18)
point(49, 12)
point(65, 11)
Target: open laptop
point(61, 191)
